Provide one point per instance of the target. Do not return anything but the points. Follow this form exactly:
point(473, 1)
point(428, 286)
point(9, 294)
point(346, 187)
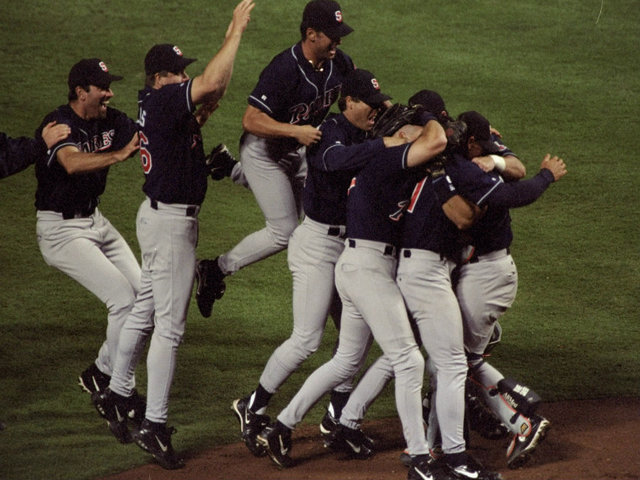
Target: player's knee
point(281, 230)
point(307, 345)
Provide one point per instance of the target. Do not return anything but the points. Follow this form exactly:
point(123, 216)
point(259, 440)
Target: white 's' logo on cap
point(338, 16)
point(177, 50)
point(103, 66)
point(375, 84)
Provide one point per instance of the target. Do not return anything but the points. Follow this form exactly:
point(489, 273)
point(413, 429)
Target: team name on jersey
point(98, 143)
point(302, 111)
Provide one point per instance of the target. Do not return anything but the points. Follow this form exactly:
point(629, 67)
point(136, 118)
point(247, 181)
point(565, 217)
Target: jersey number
point(145, 155)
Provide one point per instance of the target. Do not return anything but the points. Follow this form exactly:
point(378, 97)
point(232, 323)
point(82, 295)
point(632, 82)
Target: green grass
point(551, 76)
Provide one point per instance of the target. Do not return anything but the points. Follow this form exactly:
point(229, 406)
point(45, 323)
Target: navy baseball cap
point(326, 17)
point(361, 84)
point(165, 57)
point(480, 128)
point(428, 100)
point(91, 71)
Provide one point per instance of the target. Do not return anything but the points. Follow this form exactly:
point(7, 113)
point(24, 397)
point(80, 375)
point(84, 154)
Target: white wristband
point(499, 162)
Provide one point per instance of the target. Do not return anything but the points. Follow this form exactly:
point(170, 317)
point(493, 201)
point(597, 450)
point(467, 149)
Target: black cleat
point(353, 442)
point(93, 380)
point(522, 446)
point(114, 409)
point(251, 424)
point(328, 426)
point(276, 439)
point(464, 467)
point(210, 285)
point(220, 162)
point(155, 439)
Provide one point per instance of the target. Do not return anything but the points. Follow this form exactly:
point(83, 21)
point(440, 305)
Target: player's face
point(326, 47)
point(475, 149)
point(361, 115)
point(96, 102)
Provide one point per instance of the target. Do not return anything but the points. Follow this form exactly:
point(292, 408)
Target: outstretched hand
point(241, 17)
point(555, 165)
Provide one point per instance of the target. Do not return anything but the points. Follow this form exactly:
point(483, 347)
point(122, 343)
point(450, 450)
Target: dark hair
point(150, 79)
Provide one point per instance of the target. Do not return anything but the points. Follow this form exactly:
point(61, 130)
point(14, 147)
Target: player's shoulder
point(286, 60)
point(343, 62)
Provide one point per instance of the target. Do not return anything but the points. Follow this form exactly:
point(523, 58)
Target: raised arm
point(210, 86)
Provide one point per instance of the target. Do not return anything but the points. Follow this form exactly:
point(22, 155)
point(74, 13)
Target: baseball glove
point(392, 119)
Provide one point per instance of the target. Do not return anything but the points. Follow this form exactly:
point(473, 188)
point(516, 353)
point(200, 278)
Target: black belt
point(78, 213)
point(334, 232)
point(189, 211)
point(475, 258)
point(388, 249)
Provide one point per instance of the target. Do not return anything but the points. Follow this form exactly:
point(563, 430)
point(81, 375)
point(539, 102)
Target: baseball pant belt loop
point(383, 248)
point(332, 230)
point(490, 256)
point(175, 208)
point(420, 253)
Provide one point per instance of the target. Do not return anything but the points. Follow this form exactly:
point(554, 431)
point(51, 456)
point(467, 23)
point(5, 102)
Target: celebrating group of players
point(404, 240)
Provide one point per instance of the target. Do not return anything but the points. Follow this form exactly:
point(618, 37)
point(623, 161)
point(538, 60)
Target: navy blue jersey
point(16, 154)
point(493, 230)
point(425, 226)
point(61, 192)
point(379, 195)
point(291, 90)
point(171, 149)
point(332, 163)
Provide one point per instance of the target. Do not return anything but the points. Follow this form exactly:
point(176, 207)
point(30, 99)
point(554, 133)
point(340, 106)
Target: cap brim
point(376, 100)
point(342, 31)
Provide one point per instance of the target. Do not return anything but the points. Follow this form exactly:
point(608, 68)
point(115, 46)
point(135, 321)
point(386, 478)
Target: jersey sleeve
point(522, 193)
point(16, 154)
point(272, 91)
point(334, 152)
point(60, 116)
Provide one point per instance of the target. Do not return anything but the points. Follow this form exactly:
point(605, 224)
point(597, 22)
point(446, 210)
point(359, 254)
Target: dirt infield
point(588, 440)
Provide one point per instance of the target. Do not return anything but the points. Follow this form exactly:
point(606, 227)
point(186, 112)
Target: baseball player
point(317, 243)
point(424, 276)
point(487, 287)
point(292, 97)
point(16, 154)
point(72, 233)
point(372, 302)
point(175, 169)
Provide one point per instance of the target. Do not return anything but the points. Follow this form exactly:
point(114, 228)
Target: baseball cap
point(91, 71)
point(429, 100)
point(325, 16)
point(362, 84)
point(165, 57)
point(479, 127)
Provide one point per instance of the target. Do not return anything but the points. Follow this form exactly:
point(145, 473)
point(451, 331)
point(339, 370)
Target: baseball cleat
point(353, 442)
point(464, 467)
point(522, 446)
point(93, 380)
point(251, 424)
point(210, 285)
point(424, 468)
point(155, 438)
point(114, 409)
point(220, 162)
point(276, 439)
point(328, 426)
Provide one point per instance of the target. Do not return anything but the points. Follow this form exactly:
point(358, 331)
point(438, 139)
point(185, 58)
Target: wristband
point(499, 163)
